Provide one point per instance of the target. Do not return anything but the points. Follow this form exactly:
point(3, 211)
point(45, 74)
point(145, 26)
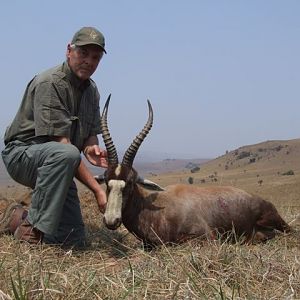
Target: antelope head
point(120, 178)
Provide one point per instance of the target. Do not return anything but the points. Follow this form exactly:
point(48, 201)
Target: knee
point(72, 154)
point(68, 154)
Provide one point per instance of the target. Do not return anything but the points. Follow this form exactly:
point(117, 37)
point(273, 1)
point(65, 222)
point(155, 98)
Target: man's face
point(83, 60)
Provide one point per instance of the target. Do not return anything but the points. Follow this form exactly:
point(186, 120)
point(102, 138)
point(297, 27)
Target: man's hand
point(100, 196)
point(96, 156)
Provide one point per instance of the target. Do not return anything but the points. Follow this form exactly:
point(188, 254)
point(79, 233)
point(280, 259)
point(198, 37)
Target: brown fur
point(182, 212)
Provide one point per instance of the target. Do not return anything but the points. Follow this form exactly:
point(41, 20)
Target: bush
point(190, 165)
point(278, 148)
point(252, 160)
point(195, 169)
point(243, 154)
point(190, 180)
point(290, 172)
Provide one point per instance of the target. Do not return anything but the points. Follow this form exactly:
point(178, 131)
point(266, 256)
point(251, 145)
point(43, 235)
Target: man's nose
point(87, 60)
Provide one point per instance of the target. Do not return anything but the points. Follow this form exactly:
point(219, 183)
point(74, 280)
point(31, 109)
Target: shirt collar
point(75, 81)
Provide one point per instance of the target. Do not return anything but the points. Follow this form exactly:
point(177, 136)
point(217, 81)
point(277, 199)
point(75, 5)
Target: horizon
point(219, 75)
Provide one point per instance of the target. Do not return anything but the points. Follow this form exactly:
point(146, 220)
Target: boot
point(12, 217)
point(27, 233)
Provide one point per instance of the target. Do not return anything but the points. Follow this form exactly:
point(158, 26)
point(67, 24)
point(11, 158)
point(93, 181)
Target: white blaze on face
point(114, 202)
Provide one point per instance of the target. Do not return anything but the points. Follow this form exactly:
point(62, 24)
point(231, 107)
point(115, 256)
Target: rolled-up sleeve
point(51, 115)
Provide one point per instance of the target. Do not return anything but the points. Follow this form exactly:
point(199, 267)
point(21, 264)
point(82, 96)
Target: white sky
point(219, 74)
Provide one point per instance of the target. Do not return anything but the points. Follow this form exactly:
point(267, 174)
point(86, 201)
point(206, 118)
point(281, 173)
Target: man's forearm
point(85, 176)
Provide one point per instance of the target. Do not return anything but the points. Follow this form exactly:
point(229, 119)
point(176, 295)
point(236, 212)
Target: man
point(58, 118)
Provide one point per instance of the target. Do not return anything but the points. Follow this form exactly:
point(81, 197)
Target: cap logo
point(93, 35)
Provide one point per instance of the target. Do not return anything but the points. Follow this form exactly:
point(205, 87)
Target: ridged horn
point(112, 155)
point(130, 153)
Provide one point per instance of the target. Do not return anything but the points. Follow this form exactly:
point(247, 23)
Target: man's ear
point(100, 178)
point(68, 50)
point(148, 184)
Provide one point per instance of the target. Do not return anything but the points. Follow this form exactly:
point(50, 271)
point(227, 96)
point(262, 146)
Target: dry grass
point(115, 266)
point(120, 269)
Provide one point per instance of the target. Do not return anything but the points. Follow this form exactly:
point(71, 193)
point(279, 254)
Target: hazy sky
point(219, 74)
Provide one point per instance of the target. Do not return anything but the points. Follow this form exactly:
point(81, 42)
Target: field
point(115, 265)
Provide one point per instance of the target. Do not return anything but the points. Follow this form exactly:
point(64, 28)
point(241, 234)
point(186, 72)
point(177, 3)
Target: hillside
point(269, 155)
point(270, 169)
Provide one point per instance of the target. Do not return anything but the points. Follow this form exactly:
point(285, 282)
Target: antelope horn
point(133, 148)
point(112, 155)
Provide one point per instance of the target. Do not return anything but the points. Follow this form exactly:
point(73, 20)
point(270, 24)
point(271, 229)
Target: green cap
point(89, 35)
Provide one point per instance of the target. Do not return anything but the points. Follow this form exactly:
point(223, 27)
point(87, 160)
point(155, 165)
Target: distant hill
point(269, 169)
point(263, 161)
point(146, 168)
point(168, 165)
point(279, 154)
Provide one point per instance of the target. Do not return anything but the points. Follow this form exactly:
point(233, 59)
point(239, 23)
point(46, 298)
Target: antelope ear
point(100, 178)
point(148, 184)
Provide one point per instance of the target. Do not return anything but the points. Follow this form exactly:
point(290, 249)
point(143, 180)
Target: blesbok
point(178, 212)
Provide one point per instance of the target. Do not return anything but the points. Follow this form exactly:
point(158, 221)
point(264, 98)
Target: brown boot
point(27, 233)
point(12, 217)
